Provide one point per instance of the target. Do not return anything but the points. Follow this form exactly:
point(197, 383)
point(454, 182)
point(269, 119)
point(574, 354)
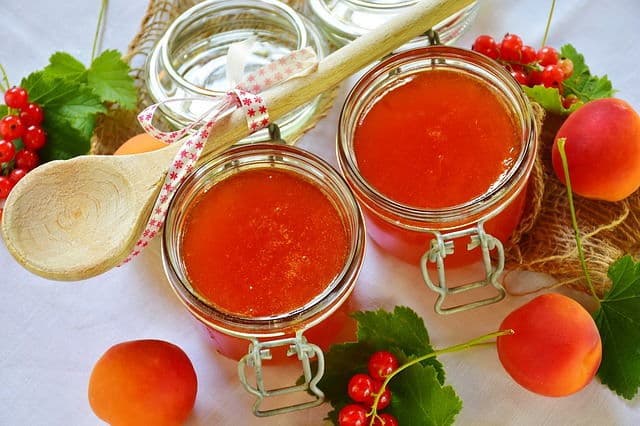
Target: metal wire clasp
point(298, 345)
point(442, 246)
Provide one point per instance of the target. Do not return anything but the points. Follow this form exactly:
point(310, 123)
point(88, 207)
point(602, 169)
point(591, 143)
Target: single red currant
point(569, 100)
point(520, 77)
point(547, 56)
point(516, 67)
point(352, 415)
point(534, 78)
point(385, 419)
point(16, 97)
point(5, 187)
point(566, 65)
point(528, 55)
point(32, 115)
point(487, 46)
point(381, 364)
point(511, 48)
point(552, 76)
point(34, 138)
point(16, 175)
point(26, 159)
point(361, 387)
point(385, 398)
point(11, 127)
point(7, 151)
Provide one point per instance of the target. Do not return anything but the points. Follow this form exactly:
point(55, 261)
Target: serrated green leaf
point(419, 399)
point(109, 78)
point(63, 99)
point(402, 329)
point(401, 332)
point(70, 114)
point(618, 320)
point(36, 84)
point(549, 99)
point(63, 141)
point(63, 65)
point(585, 86)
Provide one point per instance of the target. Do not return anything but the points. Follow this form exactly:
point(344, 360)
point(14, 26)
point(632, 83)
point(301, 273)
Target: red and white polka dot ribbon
point(246, 95)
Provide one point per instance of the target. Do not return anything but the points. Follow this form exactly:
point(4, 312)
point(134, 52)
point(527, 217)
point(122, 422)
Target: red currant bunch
point(363, 389)
point(528, 66)
point(21, 135)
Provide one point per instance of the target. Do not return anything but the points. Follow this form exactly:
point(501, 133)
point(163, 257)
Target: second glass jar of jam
point(263, 244)
point(438, 144)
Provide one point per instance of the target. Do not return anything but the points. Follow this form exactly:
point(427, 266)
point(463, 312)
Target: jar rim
point(257, 155)
point(196, 12)
point(477, 208)
point(341, 30)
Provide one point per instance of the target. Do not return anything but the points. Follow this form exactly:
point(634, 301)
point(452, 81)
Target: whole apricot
point(555, 349)
point(603, 150)
point(138, 144)
point(143, 382)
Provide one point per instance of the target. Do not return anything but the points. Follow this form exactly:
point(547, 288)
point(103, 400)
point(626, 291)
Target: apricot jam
point(438, 144)
point(262, 242)
point(439, 139)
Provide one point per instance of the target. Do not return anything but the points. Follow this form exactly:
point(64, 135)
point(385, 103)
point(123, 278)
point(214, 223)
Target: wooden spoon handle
point(338, 66)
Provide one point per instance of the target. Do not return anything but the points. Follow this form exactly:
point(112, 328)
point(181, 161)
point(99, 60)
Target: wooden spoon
point(74, 219)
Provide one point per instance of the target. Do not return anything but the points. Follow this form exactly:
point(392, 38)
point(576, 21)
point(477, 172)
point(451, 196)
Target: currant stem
point(574, 221)
point(5, 80)
point(99, 28)
point(478, 341)
point(546, 30)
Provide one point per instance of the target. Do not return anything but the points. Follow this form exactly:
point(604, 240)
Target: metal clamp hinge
point(442, 246)
point(298, 346)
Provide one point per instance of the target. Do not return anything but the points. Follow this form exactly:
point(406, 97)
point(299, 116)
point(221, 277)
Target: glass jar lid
point(189, 61)
point(345, 20)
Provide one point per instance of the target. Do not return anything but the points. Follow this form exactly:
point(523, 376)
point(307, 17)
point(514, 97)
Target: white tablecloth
point(52, 333)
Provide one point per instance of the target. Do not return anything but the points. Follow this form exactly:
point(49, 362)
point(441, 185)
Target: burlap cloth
point(544, 241)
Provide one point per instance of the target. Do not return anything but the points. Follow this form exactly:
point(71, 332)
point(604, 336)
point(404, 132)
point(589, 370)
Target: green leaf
point(109, 78)
point(549, 99)
point(403, 333)
point(585, 86)
point(4, 110)
point(62, 99)
point(618, 320)
point(402, 329)
point(63, 141)
point(63, 65)
point(419, 399)
point(70, 113)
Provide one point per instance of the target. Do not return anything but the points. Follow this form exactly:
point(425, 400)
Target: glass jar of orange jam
point(263, 245)
point(438, 144)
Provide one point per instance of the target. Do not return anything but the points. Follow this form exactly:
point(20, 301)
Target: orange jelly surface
point(263, 242)
point(439, 140)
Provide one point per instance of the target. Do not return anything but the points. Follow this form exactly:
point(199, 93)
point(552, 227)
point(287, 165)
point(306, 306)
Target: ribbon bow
point(245, 95)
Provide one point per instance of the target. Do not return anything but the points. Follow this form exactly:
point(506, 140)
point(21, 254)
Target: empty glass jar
point(190, 60)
